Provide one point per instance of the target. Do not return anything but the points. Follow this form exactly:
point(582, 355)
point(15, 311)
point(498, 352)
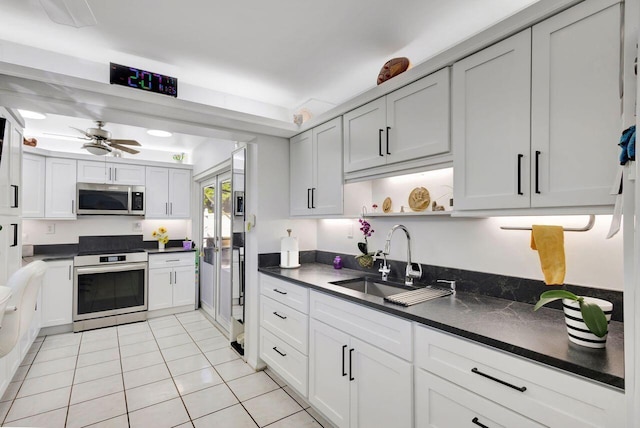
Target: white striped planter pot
point(576, 328)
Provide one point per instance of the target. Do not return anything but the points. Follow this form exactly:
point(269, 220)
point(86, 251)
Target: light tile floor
point(174, 371)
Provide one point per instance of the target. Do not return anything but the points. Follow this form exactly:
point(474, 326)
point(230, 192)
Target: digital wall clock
point(143, 80)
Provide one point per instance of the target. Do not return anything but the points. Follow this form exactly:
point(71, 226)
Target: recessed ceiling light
point(32, 114)
point(159, 133)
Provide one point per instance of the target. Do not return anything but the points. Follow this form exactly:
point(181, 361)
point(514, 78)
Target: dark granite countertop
point(503, 324)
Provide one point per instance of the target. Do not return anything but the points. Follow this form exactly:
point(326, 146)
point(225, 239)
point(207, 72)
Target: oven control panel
point(111, 259)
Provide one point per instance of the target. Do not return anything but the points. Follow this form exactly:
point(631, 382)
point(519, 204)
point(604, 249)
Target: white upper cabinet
point(60, 188)
point(575, 105)
point(408, 124)
point(536, 117)
point(491, 126)
point(10, 165)
point(316, 173)
point(167, 193)
point(110, 173)
point(33, 179)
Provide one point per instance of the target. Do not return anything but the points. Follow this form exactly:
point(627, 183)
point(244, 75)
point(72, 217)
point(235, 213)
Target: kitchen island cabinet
point(540, 111)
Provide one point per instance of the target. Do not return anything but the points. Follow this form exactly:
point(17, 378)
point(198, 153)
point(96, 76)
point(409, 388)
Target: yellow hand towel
point(549, 241)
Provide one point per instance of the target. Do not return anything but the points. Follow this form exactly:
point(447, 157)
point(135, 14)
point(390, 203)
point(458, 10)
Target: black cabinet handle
point(15, 196)
point(344, 373)
point(477, 422)
point(520, 156)
point(537, 171)
point(15, 235)
point(380, 131)
point(278, 291)
point(276, 349)
point(388, 129)
point(279, 316)
point(313, 197)
point(517, 388)
point(350, 364)
point(308, 198)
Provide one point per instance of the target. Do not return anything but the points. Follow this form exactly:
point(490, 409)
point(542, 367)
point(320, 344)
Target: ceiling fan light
point(96, 149)
point(159, 133)
point(28, 114)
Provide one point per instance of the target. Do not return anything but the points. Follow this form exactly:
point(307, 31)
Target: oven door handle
point(111, 268)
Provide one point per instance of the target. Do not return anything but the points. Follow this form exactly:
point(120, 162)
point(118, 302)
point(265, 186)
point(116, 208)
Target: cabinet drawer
point(171, 260)
point(440, 403)
point(283, 359)
point(286, 293)
point(286, 323)
point(545, 393)
point(379, 329)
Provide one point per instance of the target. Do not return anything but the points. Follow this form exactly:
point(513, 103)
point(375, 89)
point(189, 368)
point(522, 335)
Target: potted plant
point(587, 318)
point(186, 244)
point(366, 258)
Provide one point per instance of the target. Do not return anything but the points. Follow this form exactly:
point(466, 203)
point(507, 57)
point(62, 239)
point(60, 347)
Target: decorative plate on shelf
point(386, 205)
point(419, 199)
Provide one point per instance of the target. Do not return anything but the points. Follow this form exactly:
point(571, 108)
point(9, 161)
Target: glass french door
point(215, 263)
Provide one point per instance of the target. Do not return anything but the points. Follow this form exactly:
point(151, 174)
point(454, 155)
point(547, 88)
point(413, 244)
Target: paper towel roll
point(289, 254)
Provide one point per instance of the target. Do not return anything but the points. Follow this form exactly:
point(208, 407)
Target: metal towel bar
point(589, 226)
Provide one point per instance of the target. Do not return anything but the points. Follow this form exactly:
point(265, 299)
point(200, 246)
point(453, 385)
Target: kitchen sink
point(403, 295)
point(373, 287)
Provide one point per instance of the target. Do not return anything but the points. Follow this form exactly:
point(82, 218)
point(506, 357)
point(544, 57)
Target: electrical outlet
point(51, 228)
point(137, 226)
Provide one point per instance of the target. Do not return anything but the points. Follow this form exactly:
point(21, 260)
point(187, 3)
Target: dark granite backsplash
point(505, 287)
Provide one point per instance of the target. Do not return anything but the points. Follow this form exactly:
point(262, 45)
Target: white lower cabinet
point(351, 382)
point(57, 293)
point(284, 332)
point(171, 280)
point(442, 404)
point(502, 388)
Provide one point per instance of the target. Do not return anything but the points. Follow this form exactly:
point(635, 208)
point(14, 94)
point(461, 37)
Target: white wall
point(273, 199)
point(211, 153)
point(480, 245)
point(67, 231)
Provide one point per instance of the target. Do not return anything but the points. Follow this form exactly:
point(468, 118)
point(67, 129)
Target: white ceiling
point(55, 133)
point(280, 52)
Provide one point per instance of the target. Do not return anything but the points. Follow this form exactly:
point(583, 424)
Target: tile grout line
point(124, 388)
point(73, 378)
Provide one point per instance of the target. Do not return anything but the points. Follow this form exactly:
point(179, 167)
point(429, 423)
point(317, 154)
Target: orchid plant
point(366, 258)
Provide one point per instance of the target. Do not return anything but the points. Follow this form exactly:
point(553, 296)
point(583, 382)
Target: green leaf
point(594, 318)
point(363, 247)
point(551, 295)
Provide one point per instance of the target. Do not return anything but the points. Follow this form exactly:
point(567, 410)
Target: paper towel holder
point(587, 227)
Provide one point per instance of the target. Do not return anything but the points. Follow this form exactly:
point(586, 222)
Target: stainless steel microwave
point(109, 199)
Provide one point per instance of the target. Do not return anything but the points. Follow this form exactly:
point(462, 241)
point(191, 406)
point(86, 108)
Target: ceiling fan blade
point(85, 133)
point(75, 13)
point(75, 137)
point(126, 142)
point(125, 149)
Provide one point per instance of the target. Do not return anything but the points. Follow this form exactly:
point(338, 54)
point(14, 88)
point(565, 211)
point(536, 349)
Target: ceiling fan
point(101, 142)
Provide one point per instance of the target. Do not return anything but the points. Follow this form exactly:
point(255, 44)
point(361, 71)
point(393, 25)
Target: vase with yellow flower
point(161, 236)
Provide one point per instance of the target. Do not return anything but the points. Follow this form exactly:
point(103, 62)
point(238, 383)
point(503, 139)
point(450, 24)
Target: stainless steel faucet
point(410, 273)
